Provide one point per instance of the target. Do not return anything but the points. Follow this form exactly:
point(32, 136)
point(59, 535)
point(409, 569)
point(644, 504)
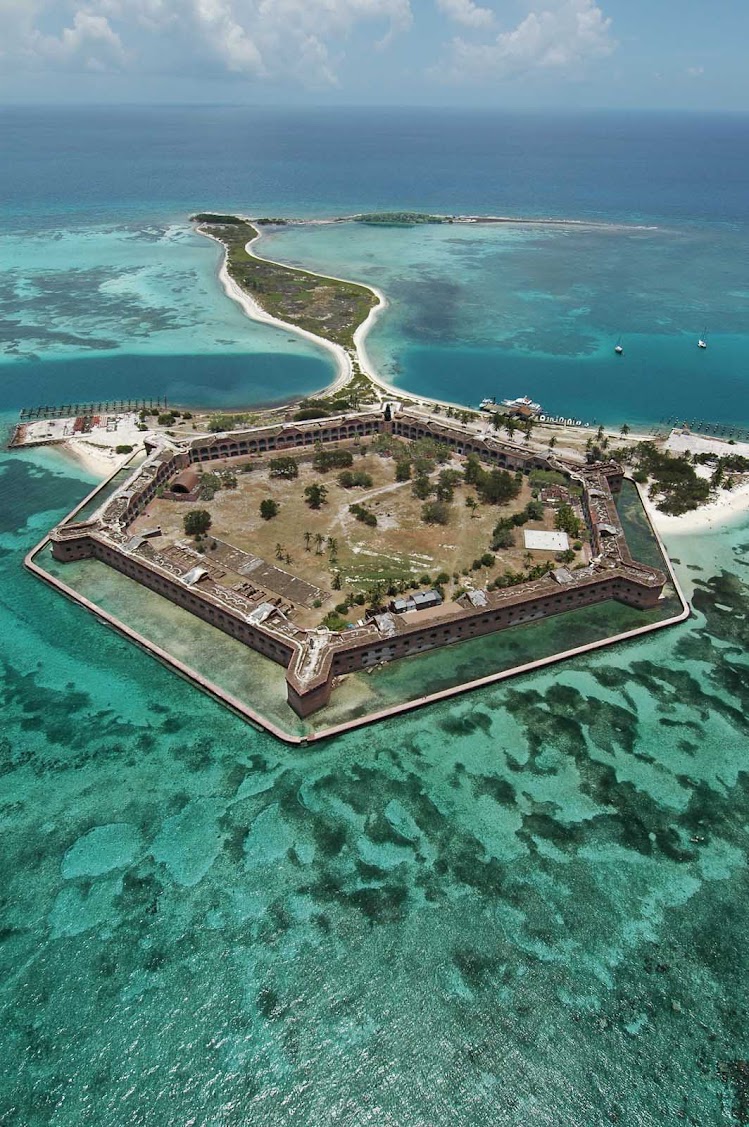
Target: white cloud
point(90, 42)
point(562, 36)
point(467, 13)
point(695, 72)
point(261, 39)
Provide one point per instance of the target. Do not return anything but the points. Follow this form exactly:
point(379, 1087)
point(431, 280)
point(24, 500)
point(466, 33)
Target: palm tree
point(375, 593)
point(510, 426)
point(319, 541)
point(332, 545)
point(552, 441)
point(625, 430)
point(307, 541)
point(280, 551)
point(472, 504)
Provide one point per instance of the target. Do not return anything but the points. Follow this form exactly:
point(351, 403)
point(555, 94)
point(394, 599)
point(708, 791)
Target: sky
point(666, 54)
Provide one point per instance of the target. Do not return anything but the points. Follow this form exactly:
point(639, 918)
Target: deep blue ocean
point(135, 163)
point(99, 263)
point(525, 906)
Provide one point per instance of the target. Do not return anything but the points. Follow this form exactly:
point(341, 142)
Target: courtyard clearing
point(319, 558)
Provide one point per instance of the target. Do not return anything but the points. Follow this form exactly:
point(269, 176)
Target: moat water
point(525, 905)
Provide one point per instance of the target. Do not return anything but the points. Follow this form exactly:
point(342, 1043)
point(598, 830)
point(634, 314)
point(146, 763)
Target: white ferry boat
point(522, 405)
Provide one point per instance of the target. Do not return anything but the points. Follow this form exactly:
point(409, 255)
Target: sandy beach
point(97, 459)
point(728, 506)
point(255, 312)
point(360, 334)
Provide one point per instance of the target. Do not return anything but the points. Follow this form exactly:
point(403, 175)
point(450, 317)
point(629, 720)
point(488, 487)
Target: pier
point(727, 431)
point(104, 407)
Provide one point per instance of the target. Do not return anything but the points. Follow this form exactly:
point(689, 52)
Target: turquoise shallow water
point(499, 910)
point(136, 310)
point(524, 906)
point(510, 310)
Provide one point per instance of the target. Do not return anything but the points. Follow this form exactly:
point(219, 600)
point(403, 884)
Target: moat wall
point(188, 598)
point(350, 658)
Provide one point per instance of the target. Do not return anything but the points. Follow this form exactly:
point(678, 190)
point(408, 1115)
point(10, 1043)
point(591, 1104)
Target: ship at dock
point(523, 407)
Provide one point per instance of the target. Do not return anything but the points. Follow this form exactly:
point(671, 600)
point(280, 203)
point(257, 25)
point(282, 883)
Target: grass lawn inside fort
point(341, 557)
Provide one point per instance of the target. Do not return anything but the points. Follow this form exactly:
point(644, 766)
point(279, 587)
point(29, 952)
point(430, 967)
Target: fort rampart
point(314, 658)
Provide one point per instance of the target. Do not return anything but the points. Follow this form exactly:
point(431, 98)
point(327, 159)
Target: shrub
point(315, 495)
point(165, 420)
point(442, 578)
point(268, 509)
point(354, 479)
point(435, 512)
point(333, 621)
point(123, 449)
point(503, 538)
point(403, 470)
point(566, 521)
point(497, 487)
point(197, 522)
point(488, 560)
point(309, 413)
point(366, 516)
point(187, 414)
point(421, 487)
point(285, 466)
point(317, 603)
point(425, 580)
point(221, 422)
point(325, 460)
point(342, 608)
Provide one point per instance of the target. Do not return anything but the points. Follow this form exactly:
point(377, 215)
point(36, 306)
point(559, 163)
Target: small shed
point(424, 599)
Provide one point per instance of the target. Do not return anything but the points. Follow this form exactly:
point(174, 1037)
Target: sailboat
point(702, 343)
point(618, 349)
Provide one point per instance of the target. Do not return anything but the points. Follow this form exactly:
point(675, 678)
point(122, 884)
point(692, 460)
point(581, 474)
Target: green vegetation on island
point(399, 218)
point(673, 483)
point(324, 306)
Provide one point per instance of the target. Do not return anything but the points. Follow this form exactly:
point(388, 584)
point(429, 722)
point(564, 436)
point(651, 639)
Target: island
point(337, 535)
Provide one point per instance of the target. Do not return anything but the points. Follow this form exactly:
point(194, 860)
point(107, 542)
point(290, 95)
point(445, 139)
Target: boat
point(488, 404)
point(523, 405)
point(702, 343)
point(618, 348)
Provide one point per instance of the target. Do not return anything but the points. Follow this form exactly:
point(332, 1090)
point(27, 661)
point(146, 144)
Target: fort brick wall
point(312, 660)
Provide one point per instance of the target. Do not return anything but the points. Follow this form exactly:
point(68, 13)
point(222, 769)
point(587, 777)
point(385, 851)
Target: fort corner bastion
point(314, 658)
